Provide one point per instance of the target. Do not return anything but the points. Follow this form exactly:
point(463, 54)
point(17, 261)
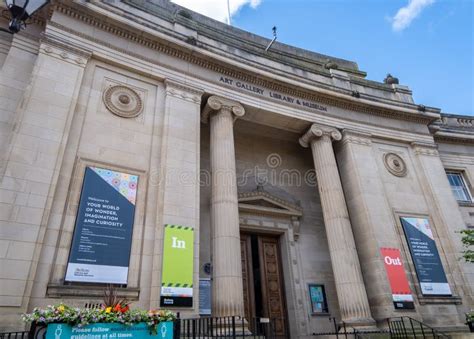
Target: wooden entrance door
point(262, 277)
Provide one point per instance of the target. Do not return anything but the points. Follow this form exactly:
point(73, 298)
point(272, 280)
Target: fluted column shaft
point(227, 289)
point(352, 296)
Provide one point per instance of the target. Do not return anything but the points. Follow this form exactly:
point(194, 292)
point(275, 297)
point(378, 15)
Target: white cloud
point(407, 14)
point(217, 9)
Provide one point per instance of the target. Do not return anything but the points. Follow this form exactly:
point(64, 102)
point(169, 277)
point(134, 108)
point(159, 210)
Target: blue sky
point(429, 47)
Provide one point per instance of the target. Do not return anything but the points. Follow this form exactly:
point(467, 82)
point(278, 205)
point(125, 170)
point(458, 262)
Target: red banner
point(401, 293)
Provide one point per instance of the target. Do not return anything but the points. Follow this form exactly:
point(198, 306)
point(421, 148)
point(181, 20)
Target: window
point(459, 187)
point(317, 296)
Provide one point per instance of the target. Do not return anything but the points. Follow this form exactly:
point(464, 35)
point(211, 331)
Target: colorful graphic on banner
point(428, 266)
point(178, 257)
point(100, 251)
point(401, 293)
point(123, 183)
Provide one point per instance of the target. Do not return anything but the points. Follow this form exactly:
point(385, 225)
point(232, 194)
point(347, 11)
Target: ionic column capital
point(317, 131)
point(218, 104)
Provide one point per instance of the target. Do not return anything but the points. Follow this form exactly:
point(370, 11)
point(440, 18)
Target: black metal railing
point(35, 332)
point(227, 327)
point(14, 335)
point(406, 327)
point(276, 328)
point(344, 331)
point(347, 332)
point(207, 327)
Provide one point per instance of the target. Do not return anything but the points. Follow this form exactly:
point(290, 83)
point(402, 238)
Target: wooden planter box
point(108, 331)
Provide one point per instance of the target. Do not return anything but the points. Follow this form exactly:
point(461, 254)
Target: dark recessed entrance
point(262, 277)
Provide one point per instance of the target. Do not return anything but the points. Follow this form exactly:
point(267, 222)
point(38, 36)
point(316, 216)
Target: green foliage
point(470, 317)
point(468, 241)
point(75, 316)
point(468, 255)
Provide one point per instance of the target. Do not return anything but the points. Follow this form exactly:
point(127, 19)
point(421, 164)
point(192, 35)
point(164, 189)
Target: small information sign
point(205, 296)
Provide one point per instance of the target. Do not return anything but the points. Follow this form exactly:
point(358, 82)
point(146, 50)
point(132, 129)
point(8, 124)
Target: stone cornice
point(317, 131)
point(452, 128)
point(341, 100)
point(26, 42)
point(216, 103)
point(183, 91)
point(454, 138)
point(294, 210)
point(246, 41)
point(282, 208)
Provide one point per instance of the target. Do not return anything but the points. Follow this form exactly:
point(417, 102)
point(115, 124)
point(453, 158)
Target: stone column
point(227, 290)
point(351, 293)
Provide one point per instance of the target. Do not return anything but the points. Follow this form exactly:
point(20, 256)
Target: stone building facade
point(292, 169)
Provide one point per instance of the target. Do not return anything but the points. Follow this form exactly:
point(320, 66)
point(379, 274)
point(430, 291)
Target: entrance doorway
point(262, 277)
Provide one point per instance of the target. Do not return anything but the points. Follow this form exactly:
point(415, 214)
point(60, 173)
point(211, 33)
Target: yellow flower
point(108, 309)
point(61, 308)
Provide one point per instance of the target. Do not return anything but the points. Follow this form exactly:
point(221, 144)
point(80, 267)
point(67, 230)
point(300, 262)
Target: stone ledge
point(440, 300)
point(466, 203)
point(89, 291)
point(321, 314)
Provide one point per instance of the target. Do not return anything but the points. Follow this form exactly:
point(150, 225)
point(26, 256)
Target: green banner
point(178, 257)
point(108, 331)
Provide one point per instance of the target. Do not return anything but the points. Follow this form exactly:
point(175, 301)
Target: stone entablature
point(453, 128)
point(317, 90)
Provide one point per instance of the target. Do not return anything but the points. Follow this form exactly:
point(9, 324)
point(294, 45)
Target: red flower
point(117, 308)
point(125, 309)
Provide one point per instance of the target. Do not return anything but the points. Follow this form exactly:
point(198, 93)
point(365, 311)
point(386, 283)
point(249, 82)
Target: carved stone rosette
point(122, 101)
point(395, 164)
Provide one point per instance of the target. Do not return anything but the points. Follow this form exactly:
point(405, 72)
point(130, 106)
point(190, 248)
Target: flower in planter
point(113, 310)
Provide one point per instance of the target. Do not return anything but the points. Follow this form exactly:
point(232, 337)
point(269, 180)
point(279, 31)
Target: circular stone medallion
point(122, 101)
point(395, 164)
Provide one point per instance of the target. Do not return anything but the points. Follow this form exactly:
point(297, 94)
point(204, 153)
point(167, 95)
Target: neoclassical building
point(150, 147)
